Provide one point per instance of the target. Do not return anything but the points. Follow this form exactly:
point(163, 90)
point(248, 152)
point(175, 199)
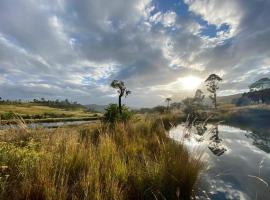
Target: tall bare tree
point(168, 100)
point(122, 91)
point(212, 86)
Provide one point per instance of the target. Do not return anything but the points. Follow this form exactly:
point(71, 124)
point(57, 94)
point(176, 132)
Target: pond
point(48, 124)
point(239, 169)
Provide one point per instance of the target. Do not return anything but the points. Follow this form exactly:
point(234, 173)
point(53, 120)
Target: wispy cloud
point(73, 49)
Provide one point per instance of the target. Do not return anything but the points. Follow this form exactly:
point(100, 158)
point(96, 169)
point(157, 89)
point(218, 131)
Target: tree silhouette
point(260, 84)
point(257, 88)
point(122, 91)
point(212, 86)
point(168, 100)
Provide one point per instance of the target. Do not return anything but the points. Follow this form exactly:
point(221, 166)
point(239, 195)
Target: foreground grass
point(126, 161)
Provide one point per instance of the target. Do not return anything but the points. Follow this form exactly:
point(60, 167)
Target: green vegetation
point(64, 104)
point(112, 114)
point(133, 160)
point(33, 112)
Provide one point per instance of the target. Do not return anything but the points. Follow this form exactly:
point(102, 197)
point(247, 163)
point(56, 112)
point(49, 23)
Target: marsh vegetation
point(133, 160)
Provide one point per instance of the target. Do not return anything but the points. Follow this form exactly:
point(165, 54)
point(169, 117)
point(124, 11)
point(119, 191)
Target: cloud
point(167, 19)
point(218, 12)
point(73, 49)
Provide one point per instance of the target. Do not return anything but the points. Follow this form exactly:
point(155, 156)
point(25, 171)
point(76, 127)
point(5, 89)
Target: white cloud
point(167, 19)
point(73, 49)
point(218, 12)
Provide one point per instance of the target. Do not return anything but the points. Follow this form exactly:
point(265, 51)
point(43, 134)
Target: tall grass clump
point(132, 160)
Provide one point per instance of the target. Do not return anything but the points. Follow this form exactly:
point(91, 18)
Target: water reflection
point(243, 170)
point(201, 132)
point(45, 124)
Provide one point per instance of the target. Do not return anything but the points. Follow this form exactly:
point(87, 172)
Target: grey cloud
point(73, 49)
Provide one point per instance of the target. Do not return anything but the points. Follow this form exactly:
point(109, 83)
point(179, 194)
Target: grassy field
point(135, 160)
point(32, 112)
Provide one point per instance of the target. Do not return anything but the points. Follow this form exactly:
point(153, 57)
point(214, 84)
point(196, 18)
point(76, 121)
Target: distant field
point(35, 111)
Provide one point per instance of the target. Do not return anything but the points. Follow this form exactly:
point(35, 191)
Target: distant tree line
point(254, 97)
point(65, 104)
point(259, 92)
point(10, 102)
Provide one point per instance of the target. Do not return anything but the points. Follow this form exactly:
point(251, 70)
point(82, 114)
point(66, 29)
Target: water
point(47, 124)
point(241, 172)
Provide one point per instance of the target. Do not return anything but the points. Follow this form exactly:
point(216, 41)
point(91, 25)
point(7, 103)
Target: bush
point(243, 101)
point(112, 114)
point(7, 116)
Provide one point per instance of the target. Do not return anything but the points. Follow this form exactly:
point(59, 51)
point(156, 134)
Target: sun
point(191, 82)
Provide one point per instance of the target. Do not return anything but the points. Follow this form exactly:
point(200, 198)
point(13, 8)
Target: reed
point(134, 160)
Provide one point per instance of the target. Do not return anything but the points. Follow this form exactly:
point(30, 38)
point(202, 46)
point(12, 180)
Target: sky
point(59, 49)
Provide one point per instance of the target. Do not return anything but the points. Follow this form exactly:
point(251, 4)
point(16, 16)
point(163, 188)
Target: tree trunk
point(120, 104)
point(215, 100)
point(262, 97)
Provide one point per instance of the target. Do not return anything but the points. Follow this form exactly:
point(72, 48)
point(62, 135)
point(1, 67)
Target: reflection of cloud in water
point(230, 174)
point(220, 189)
point(181, 134)
point(230, 129)
point(199, 143)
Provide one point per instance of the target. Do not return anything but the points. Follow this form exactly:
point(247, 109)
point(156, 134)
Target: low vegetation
point(63, 104)
point(124, 156)
point(35, 112)
point(132, 160)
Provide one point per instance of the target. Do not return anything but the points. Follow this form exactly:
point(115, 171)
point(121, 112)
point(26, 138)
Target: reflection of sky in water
point(231, 176)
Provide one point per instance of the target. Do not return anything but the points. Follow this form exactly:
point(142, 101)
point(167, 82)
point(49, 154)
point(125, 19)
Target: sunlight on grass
point(135, 160)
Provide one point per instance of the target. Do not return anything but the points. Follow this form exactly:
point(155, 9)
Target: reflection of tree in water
point(214, 141)
point(258, 131)
point(261, 139)
point(215, 144)
point(215, 136)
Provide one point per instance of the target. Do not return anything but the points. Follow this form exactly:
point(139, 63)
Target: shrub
point(7, 116)
point(112, 114)
point(243, 101)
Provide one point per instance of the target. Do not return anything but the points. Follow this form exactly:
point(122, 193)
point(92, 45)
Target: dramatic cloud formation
point(74, 49)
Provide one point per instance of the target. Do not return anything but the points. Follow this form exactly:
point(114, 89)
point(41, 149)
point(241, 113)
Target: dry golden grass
point(34, 109)
point(135, 160)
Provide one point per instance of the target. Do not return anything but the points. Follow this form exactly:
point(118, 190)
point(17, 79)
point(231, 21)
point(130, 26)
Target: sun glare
point(191, 82)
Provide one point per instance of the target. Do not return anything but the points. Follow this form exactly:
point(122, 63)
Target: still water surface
point(241, 172)
point(48, 124)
